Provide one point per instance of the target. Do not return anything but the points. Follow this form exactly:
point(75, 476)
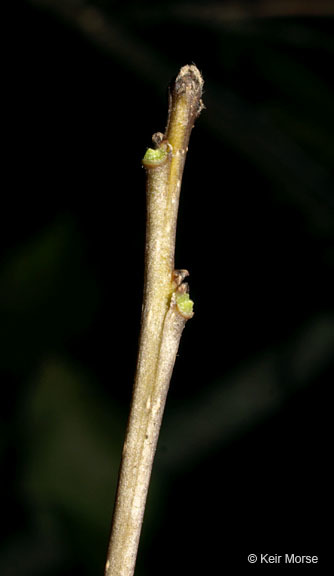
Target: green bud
point(155, 157)
point(184, 304)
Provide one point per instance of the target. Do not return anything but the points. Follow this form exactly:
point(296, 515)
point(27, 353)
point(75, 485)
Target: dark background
point(244, 455)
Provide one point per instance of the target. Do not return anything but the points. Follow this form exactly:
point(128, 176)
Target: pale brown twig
point(166, 308)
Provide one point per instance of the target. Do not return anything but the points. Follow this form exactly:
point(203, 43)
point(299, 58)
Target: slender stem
point(166, 308)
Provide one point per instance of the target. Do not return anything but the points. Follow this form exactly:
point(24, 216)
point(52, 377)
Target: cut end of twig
point(185, 104)
point(190, 81)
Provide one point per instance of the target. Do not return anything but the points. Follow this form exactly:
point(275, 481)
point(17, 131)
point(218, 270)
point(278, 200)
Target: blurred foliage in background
point(243, 460)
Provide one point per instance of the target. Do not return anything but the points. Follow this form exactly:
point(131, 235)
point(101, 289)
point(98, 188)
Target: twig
point(166, 308)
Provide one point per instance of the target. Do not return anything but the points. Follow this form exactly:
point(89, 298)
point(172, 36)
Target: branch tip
point(189, 79)
point(185, 105)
